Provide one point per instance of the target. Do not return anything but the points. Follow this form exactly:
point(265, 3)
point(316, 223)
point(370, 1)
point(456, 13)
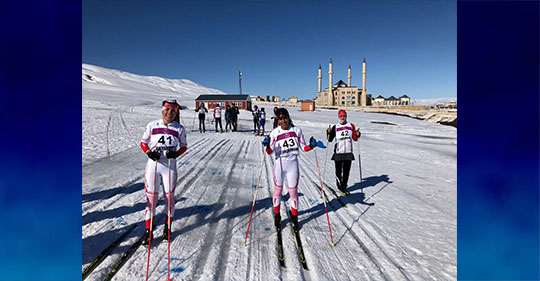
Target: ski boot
point(342, 189)
point(147, 236)
point(277, 221)
point(165, 233)
point(294, 220)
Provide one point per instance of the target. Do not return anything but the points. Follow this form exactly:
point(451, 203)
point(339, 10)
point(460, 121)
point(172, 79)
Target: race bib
point(287, 143)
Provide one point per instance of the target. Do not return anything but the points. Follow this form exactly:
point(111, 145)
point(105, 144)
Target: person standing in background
point(202, 115)
point(275, 124)
point(262, 120)
point(256, 126)
point(217, 117)
point(228, 123)
point(234, 117)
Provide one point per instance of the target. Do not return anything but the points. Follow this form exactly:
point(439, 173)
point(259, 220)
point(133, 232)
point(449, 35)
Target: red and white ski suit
point(285, 145)
point(161, 137)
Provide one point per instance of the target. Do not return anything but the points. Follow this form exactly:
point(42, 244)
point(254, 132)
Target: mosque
point(341, 93)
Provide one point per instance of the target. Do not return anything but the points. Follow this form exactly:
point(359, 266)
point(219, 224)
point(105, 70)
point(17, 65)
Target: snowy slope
point(399, 223)
point(433, 102)
point(131, 89)
point(111, 93)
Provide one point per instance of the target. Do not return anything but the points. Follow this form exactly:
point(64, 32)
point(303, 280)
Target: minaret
point(364, 90)
point(330, 75)
point(349, 77)
point(320, 78)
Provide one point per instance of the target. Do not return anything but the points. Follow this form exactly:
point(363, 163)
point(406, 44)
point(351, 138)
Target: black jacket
point(337, 156)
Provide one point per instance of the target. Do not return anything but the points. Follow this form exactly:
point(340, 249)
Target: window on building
point(342, 102)
point(349, 98)
point(352, 102)
point(342, 98)
point(353, 97)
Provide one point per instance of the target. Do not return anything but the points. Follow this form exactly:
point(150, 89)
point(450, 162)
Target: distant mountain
point(435, 101)
point(115, 86)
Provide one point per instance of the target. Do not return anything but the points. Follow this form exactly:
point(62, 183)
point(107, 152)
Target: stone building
point(379, 100)
point(293, 100)
point(341, 93)
point(403, 100)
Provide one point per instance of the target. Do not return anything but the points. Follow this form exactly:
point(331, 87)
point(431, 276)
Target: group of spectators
point(259, 120)
point(231, 118)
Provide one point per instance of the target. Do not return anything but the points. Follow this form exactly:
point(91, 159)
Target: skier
point(284, 142)
point(344, 133)
point(262, 120)
point(256, 125)
point(202, 114)
point(217, 117)
point(228, 118)
point(160, 141)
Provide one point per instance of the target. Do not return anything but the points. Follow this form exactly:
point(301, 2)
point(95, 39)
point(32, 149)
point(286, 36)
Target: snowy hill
point(123, 87)
point(398, 223)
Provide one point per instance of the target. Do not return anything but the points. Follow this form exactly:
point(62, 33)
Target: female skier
point(160, 142)
point(285, 141)
point(344, 133)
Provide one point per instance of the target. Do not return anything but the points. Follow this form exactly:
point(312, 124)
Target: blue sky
point(410, 46)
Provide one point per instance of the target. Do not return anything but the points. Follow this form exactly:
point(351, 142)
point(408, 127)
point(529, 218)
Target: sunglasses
point(343, 116)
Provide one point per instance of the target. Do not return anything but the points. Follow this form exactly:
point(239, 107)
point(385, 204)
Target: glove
point(312, 142)
point(171, 154)
point(358, 133)
point(154, 155)
point(266, 141)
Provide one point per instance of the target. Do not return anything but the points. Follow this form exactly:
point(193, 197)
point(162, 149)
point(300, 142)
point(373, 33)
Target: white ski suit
point(161, 137)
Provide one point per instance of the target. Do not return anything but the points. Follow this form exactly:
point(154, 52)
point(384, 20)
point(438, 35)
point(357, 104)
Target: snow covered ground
point(399, 222)
point(436, 101)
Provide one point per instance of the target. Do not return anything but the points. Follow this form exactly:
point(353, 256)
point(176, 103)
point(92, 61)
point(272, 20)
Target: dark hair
point(283, 111)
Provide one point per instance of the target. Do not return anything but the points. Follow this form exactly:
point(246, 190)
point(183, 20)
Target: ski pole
point(360, 166)
point(182, 118)
point(169, 226)
point(322, 191)
point(151, 222)
point(255, 197)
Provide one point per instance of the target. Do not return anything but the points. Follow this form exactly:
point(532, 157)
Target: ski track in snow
point(212, 214)
point(399, 223)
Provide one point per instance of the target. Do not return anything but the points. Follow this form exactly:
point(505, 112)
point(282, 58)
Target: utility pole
point(240, 80)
